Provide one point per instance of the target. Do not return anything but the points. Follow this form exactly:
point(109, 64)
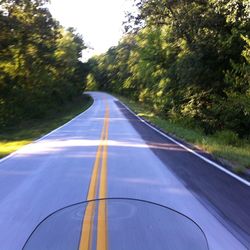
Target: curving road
point(108, 152)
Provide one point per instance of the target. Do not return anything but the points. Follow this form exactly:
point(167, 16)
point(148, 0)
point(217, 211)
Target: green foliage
point(227, 137)
point(188, 60)
point(91, 82)
point(39, 66)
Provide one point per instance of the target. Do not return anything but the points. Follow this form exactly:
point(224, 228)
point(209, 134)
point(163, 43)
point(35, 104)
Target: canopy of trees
point(39, 66)
point(190, 60)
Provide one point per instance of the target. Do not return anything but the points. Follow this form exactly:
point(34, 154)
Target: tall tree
point(39, 65)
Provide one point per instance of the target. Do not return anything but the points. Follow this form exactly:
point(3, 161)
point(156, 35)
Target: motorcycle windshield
point(117, 224)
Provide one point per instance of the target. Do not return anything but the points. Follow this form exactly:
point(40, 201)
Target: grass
point(236, 156)
point(27, 131)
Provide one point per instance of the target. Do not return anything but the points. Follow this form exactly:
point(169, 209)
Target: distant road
point(137, 162)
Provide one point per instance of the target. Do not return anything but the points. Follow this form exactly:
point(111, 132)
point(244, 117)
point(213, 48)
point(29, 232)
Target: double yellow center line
point(99, 170)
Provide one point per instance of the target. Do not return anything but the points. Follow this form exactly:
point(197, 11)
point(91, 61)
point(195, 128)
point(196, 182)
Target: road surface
point(108, 152)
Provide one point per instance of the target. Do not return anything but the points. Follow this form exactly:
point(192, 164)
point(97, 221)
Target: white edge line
point(45, 136)
point(189, 149)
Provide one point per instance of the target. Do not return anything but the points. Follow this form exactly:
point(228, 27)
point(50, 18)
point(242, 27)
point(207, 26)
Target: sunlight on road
point(8, 147)
point(51, 146)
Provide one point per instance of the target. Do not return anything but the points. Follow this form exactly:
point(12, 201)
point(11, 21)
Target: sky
point(98, 21)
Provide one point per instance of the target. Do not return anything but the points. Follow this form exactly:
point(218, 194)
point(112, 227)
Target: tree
point(189, 60)
point(39, 66)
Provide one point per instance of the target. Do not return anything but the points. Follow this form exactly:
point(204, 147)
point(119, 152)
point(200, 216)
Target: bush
point(227, 137)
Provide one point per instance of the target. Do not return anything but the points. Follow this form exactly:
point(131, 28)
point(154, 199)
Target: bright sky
point(99, 21)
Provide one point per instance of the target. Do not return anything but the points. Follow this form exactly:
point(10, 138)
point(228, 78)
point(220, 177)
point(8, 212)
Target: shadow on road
point(224, 196)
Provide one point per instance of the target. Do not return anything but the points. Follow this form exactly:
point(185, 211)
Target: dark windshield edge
point(115, 198)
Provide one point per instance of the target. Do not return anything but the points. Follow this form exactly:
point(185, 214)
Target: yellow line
point(102, 237)
point(102, 234)
point(87, 226)
point(103, 176)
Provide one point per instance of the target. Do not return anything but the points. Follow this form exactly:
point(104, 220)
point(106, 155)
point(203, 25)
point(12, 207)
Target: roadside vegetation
point(39, 62)
point(16, 136)
point(41, 75)
point(224, 145)
point(187, 63)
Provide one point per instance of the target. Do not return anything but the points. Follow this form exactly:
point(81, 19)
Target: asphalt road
point(107, 152)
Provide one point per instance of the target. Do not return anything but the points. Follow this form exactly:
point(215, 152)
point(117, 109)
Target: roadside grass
point(21, 134)
point(235, 155)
